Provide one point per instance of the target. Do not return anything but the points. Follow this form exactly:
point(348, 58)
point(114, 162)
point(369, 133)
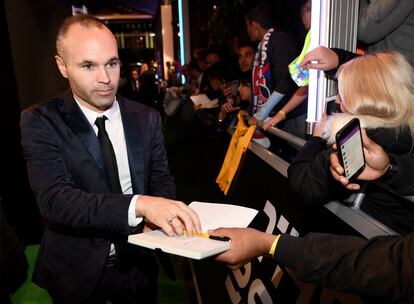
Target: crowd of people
point(379, 90)
point(99, 170)
point(259, 65)
point(376, 88)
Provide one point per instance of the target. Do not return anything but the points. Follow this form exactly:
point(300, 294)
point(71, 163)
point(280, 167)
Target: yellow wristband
point(273, 247)
point(282, 113)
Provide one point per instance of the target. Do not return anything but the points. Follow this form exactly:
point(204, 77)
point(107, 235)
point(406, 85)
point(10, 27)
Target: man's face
point(134, 75)
point(251, 27)
point(245, 92)
point(212, 59)
point(246, 57)
point(90, 62)
point(215, 84)
point(305, 14)
point(202, 65)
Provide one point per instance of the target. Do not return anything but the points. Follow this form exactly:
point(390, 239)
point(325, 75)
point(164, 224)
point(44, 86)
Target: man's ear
point(255, 27)
point(61, 65)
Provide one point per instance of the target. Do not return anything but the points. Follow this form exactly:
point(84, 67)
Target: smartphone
point(351, 153)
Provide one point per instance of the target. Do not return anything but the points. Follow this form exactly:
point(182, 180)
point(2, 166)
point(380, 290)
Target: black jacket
point(67, 175)
point(381, 269)
point(311, 182)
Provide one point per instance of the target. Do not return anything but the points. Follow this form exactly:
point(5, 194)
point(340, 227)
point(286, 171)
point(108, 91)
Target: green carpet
point(171, 292)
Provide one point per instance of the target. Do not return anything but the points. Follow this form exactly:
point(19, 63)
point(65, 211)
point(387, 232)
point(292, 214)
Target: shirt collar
point(111, 113)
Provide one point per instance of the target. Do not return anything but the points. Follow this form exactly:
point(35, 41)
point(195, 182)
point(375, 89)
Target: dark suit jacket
point(128, 90)
point(67, 174)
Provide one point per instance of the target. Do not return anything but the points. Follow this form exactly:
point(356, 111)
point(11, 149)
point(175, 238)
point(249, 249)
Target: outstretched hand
point(376, 163)
point(320, 58)
point(173, 217)
point(227, 107)
point(246, 244)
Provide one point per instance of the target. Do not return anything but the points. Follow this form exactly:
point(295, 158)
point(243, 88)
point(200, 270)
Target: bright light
point(152, 34)
point(181, 31)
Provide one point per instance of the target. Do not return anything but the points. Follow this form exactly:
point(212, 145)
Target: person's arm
point(60, 200)
point(400, 176)
point(308, 174)
point(264, 111)
point(395, 170)
point(326, 59)
point(380, 267)
point(377, 19)
point(225, 109)
point(297, 98)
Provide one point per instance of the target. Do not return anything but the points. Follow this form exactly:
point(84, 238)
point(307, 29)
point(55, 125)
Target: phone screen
point(350, 146)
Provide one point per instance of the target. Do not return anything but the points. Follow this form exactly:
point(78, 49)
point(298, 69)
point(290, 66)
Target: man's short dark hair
point(86, 21)
point(214, 49)
point(217, 71)
point(247, 43)
point(262, 13)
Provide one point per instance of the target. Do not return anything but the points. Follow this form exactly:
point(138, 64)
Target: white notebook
point(212, 216)
point(204, 101)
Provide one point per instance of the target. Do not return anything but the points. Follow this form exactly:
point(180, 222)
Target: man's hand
point(376, 163)
point(228, 107)
point(246, 244)
point(174, 217)
point(320, 58)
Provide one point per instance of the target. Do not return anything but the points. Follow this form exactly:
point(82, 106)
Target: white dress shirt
point(115, 130)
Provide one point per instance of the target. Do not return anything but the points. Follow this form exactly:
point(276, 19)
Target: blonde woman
point(378, 89)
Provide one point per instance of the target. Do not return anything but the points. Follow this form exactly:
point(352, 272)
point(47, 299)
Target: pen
point(213, 237)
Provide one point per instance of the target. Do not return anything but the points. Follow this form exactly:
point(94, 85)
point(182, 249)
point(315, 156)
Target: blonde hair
point(380, 85)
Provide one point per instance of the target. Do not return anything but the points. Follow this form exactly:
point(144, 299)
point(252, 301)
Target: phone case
point(344, 133)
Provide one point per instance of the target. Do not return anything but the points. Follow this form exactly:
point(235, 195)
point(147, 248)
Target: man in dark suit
point(98, 167)
point(131, 88)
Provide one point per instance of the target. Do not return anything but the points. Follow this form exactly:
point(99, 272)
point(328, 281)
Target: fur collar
point(337, 120)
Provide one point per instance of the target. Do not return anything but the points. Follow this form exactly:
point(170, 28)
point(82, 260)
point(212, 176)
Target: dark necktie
point(108, 155)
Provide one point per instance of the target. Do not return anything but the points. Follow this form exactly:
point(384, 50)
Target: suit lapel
point(82, 129)
point(135, 144)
